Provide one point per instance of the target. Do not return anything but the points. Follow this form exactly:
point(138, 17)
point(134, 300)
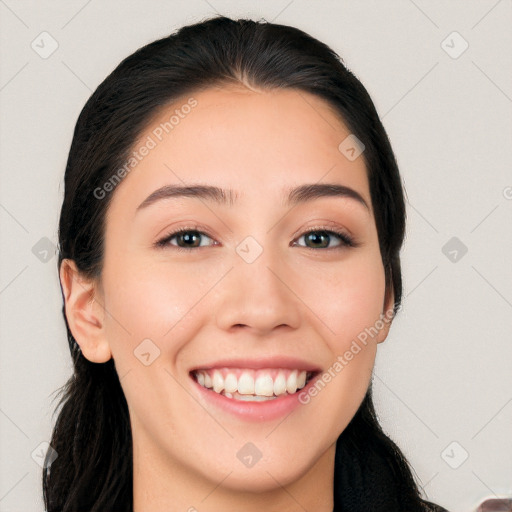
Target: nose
point(258, 296)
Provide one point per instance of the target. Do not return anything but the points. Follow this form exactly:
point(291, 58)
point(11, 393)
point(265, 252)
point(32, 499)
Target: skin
point(208, 303)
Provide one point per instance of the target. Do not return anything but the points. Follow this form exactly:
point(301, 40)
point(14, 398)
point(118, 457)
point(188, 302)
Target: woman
point(229, 261)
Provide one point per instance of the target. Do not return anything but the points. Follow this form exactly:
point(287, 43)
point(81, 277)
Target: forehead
point(257, 143)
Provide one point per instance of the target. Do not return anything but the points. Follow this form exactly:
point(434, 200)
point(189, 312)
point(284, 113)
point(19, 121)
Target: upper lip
point(291, 363)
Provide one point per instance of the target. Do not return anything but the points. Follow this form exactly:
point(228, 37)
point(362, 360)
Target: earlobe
point(386, 318)
point(84, 313)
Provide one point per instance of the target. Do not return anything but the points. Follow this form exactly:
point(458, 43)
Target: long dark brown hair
point(92, 434)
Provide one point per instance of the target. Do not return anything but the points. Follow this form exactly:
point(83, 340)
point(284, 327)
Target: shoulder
point(432, 507)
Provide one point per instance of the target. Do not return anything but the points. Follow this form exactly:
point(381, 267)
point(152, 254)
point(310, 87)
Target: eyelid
point(323, 225)
point(344, 236)
point(346, 240)
point(163, 242)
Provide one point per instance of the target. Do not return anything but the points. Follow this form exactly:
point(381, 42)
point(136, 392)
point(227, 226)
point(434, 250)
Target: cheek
point(348, 300)
point(346, 297)
point(152, 310)
point(150, 299)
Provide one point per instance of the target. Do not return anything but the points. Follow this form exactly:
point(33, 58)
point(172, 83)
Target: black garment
point(432, 507)
point(365, 481)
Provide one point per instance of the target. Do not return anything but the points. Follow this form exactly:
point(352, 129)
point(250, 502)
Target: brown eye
point(320, 239)
point(185, 238)
point(189, 238)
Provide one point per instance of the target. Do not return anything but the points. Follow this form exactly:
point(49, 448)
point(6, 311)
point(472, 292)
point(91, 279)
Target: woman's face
point(251, 291)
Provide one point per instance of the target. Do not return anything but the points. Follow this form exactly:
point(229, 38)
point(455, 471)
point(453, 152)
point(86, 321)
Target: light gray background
point(444, 373)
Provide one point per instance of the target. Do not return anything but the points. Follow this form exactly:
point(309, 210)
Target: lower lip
point(255, 411)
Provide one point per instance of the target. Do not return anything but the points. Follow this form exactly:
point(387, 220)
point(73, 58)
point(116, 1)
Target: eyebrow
point(297, 195)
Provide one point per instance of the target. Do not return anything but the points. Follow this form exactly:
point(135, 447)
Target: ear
point(386, 317)
point(84, 312)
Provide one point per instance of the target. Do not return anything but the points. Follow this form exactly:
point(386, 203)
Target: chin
point(265, 476)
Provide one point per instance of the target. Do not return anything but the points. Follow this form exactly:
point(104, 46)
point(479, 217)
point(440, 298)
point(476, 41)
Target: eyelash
point(346, 241)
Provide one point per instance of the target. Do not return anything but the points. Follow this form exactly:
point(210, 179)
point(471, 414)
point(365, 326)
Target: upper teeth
point(268, 382)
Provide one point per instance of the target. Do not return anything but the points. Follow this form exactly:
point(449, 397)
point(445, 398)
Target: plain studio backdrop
point(440, 74)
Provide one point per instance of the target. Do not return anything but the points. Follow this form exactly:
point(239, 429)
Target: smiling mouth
point(253, 385)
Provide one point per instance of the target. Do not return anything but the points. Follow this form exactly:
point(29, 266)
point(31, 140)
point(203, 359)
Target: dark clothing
point(432, 507)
